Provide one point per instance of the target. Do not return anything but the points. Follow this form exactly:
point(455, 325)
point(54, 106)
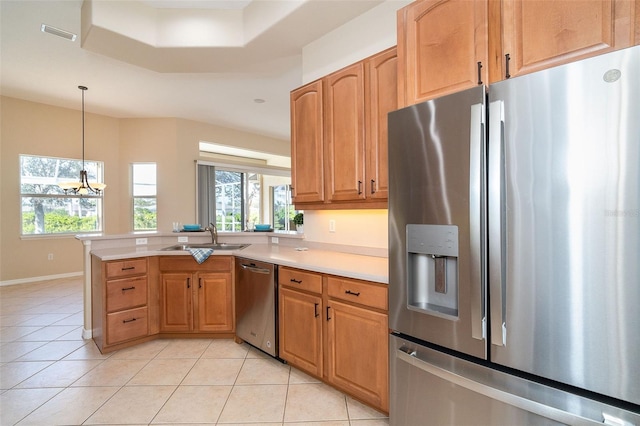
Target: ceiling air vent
point(58, 32)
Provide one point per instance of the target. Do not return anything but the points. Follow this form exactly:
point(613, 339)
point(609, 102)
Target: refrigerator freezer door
point(436, 224)
point(565, 265)
point(433, 388)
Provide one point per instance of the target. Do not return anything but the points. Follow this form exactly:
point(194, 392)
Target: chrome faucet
point(214, 233)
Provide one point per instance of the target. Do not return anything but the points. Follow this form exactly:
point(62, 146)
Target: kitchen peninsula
point(330, 298)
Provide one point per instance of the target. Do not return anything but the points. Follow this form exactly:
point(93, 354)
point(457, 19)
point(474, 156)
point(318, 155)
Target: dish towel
point(201, 254)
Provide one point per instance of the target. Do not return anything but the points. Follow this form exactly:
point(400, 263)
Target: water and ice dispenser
point(432, 269)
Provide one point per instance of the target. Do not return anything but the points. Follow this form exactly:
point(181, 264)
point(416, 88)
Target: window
point(239, 197)
point(45, 208)
point(145, 212)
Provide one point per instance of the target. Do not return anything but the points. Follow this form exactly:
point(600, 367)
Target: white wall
point(364, 36)
point(368, 34)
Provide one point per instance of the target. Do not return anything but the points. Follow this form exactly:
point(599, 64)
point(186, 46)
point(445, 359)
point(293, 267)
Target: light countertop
point(358, 266)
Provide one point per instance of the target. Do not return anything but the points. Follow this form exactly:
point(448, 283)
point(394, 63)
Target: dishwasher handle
point(254, 268)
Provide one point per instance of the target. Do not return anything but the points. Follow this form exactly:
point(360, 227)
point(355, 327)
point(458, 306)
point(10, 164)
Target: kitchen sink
point(219, 246)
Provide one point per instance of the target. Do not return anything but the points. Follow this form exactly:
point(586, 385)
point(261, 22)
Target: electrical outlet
point(332, 225)
point(183, 239)
point(274, 240)
point(50, 256)
point(141, 241)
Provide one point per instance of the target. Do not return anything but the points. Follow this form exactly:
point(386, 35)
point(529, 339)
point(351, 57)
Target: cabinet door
point(300, 323)
point(344, 134)
point(215, 302)
point(307, 175)
point(381, 81)
point(542, 34)
point(440, 43)
point(358, 352)
point(176, 302)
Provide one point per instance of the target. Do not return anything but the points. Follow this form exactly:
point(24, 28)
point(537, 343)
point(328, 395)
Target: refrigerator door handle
point(476, 219)
point(412, 357)
point(496, 224)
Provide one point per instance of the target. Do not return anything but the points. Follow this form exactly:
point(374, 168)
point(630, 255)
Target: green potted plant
point(298, 219)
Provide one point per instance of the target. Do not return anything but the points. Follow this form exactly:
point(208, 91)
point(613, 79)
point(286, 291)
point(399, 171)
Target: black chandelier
point(82, 187)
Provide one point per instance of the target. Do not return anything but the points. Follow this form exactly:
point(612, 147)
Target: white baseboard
point(86, 334)
point(41, 278)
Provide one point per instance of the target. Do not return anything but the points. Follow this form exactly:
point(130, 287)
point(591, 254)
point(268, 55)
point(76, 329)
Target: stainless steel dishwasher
point(256, 299)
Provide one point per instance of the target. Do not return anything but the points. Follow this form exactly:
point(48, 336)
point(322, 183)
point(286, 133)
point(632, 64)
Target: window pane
point(253, 198)
point(41, 175)
point(228, 201)
point(144, 214)
point(45, 207)
point(54, 215)
point(144, 180)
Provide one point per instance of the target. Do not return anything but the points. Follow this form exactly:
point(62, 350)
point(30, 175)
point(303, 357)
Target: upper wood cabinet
point(442, 48)
point(541, 34)
point(307, 175)
point(344, 134)
point(380, 76)
point(441, 42)
point(339, 136)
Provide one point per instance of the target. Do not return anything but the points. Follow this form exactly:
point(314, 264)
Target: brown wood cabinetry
point(196, 298)
point(336, 329)
point(307, 161)
point(542, 34)
point(344, 134)
point(440, 42)
point(381, 79)
point(339, 136)
point(120, 294)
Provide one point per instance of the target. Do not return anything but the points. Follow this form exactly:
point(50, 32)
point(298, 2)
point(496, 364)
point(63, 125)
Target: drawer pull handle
point(315, 310)
point(129, 268)
point(293, 280)
point(352, 292)
point(128, 288)
point(129, 320)
point(328, 317)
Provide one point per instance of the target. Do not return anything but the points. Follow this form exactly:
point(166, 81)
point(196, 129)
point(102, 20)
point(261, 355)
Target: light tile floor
point(49, 375)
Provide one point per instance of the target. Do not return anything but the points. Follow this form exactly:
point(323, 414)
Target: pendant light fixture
point(83, 187)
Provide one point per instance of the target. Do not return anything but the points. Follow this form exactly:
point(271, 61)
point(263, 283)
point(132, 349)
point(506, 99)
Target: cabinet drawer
point(362, 292)
point(188, 263)
point(126, 268)
point(126, 325)
point(300, 280)
point(126, 293)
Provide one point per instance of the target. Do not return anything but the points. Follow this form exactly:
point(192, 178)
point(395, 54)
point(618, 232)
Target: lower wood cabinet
point(301, 330)
point(196, 298)
point(336, 329)
point(120, 295)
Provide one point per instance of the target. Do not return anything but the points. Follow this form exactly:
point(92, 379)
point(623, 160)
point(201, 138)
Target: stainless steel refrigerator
point(514, 250)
